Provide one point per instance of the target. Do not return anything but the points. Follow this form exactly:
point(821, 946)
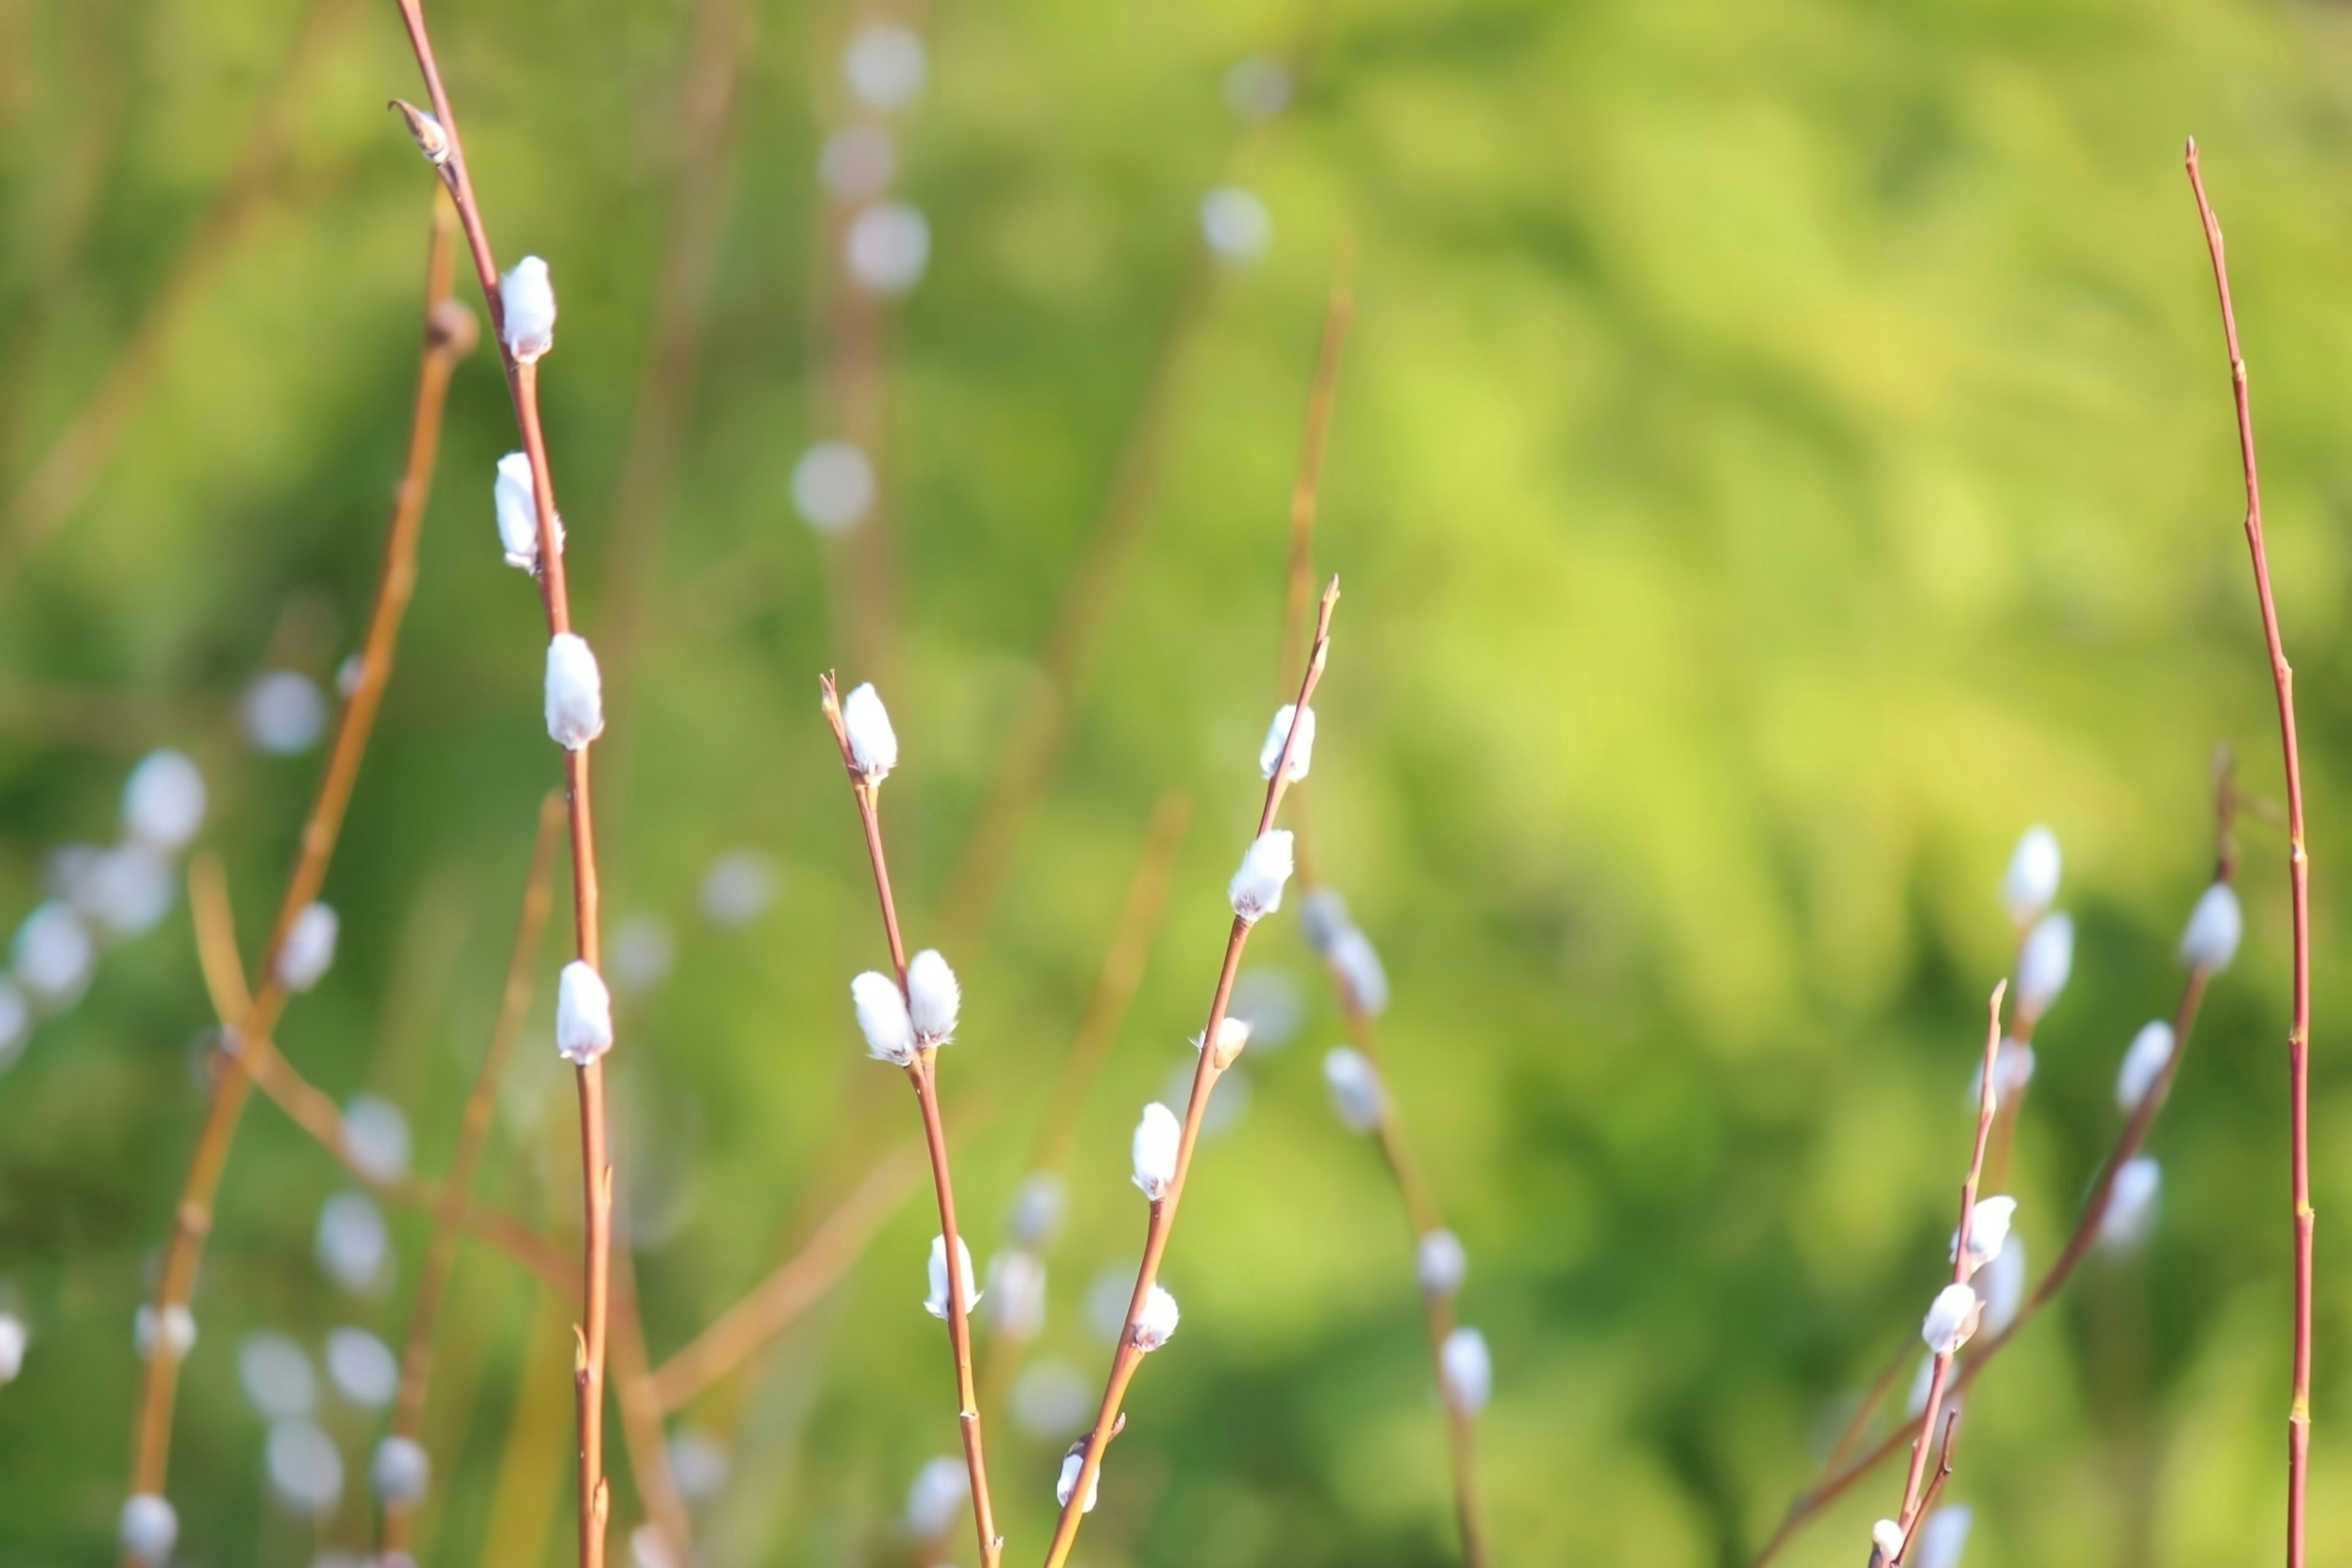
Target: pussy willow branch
point(595, 1167)
point(1129, 1355)
point(473, 1131)
point(449, 334)
point(2298, 870)
point(922, 1072)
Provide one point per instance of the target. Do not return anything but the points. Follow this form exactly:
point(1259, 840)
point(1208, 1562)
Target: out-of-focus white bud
point(363, 1368)
point(527, 297)
point(1323, 919)
point(938, 1303)
point(1302, 754)
point(14, 1337)
point(887, 247)
point(1235, 222)
point(1073, 1464)
point(275, 1376)
point(178, 1336)
point(1232, 1036)
point(1157, 1137)
point(1951, 1318)
point(308, 948)
point(2210, 939)
point(285, 712)
point(126, 890)
point(16, 1024)
point(431, 136)
point(375, 1134)
point(1357, 962)
point(164, 801)
point(353, 1245)
point(648, 1548)
point(583, 1014)
point(2144, 1062)
point(932, 998)
point(1439, 1262)
point(1256, 887)
point(1051, 1399)
point(873, 744)
point(643, 951)
point(400, 1471)
point(1355, 1086)
point(1036, 1209)
point(2131, 1204)
point(1257, 86)
point(738, 888)
point(856, 161)
point(147, 1528)
point(885, 65)
point(2043, 963)
point(1987, 1231)
point(1942, 1538)
point(1921, 1381)
point(515, 500)
point(833, 485)
point(2002, 1285)
point(1016, 1291)
point(2032, 880)
point(698, 1463)
point(306, 1469)
point(883, 1019)
point(1468, 1369)
point(53, 955)
point(2012, 1069)
point(1156, 1324)
point(1885, 1542)
point(937, 1497)
point(575, 692)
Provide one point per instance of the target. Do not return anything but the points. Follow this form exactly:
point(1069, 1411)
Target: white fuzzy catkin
point(1323, 919)
point(873, 744)
point(1987, 1231)
point(1355, 1086)
point(126, 890)
point(363, 1368)
point(932, 998)
point(515, 499)
point(14, 1337)
point(285, 712)
point(1302, 752)
point(1468, 1369)
point(375, 1136)
point(1235, 223)
point(575, 692)
point(1156, 1324)
point(1439, 1261)
point(164, 801)
point(178, 1336)
point(885, 65)
point(1885, 1542)
point(2032, 880)
point(400, 1471)
point(309, 948)
point(1233, 1037)
point(2210, 939)
point(883, 1019)
point(1951, 1318)
point(583, 1014)
point(2144, 1062)
point(833, 485)
point(353, 1245)
point(887, 247)
point(147, 1529)
point(52, 954)
point(1357, 962)
point(527, 299)
point(1037, 1206)
point(2131, 1204)
point(938, 1303)
point(2002, 1287)
point(1939, 1540)
point(2043, 963)
point(1017, 1294)
point(1256, 887)
point(738, 888)
point(275, 1376)
point(937, 1497)
point(1073, 1466)
point(1157, 1137)
point(306, 1469)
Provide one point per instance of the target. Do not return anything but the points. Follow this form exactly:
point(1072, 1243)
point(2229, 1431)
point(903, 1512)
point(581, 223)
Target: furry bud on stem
point(873, 744)
point(528, 299)
point(1233, 1035)
point(1158, 1138)
point(2214, 927)
point(1302, 750)
point(1439, 1262)
point(431, 139)
point(515, 500)
point(575, 692)
point(1072, 1463)
point(1355, 1086)
point(2043, 963)
point(2144, 1062)
point(883, 1019)
point(147, 1528)
point(1156, 1324)
point(1468, 1371)
point(932, 998)
point(1951, 1318)
point(308, 948)
point(1256, 887)
point(1885, 1542)
point(937, 1304)
point(2033, 877)
point(2131, 1203)
point(400, 1471)
point(1987, 1231)
point(583, 1014)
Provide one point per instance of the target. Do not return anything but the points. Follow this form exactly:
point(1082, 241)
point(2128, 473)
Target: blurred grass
point(1784, 449)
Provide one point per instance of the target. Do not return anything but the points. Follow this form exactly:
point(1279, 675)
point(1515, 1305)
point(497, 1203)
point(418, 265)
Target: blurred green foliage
point(1784, 450)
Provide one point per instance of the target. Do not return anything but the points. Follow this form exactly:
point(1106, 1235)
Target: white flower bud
point(1939, 1540)
point(833, 485)
point(1323, 919)
point(1355, 1086)
point(583, 1014)
point(178, 1336)
point(575, 692)
point(885, 64)
point(873, 744)
point(1158, 1138)
point(932, 998)
point(2144, 1062)
point(2214, 927)
point(2043, 963)
point(376, 1135)
point(1235, 223)
point(1951, 1318)
point(1036, 1208)
point(353, 1245)
point(13, 1340)
point(306, 1469)
point(308, 948)
point(1302, 755)
point(1016, 1289)
point(887, 247)
point(738, 888)
point(1232, 1036)
point(53, 954)
point(527, 298)
point(1467, 1369)
point(164, 801)
point(400, 1471)
point(2131, 1204)
point(275, 1376)
point(2002, 1287)
point(1156, 1324)
point(2033, 877)
point(515, 498)
point(1987, 1231)
point(363, 1368)
point(883, 1019)
point(1885, 1542)
point(126, 890)
point(285, 712)
point(938, 1303)
point(1073, 1463)
point(1357, 962)
point(1439, 1262)
point(937, 1497)
point(1256, 887)
point(147, 1528)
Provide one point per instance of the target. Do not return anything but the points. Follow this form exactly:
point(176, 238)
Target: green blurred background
point(1783, 450)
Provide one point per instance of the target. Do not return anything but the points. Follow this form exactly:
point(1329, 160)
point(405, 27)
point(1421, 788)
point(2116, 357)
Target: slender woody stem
point(2298, 870)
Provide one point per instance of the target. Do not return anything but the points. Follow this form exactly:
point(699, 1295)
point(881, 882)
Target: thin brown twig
point(2298, 870)
point(1213, 1063)
point(447, 336)
point(1935, 1482)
